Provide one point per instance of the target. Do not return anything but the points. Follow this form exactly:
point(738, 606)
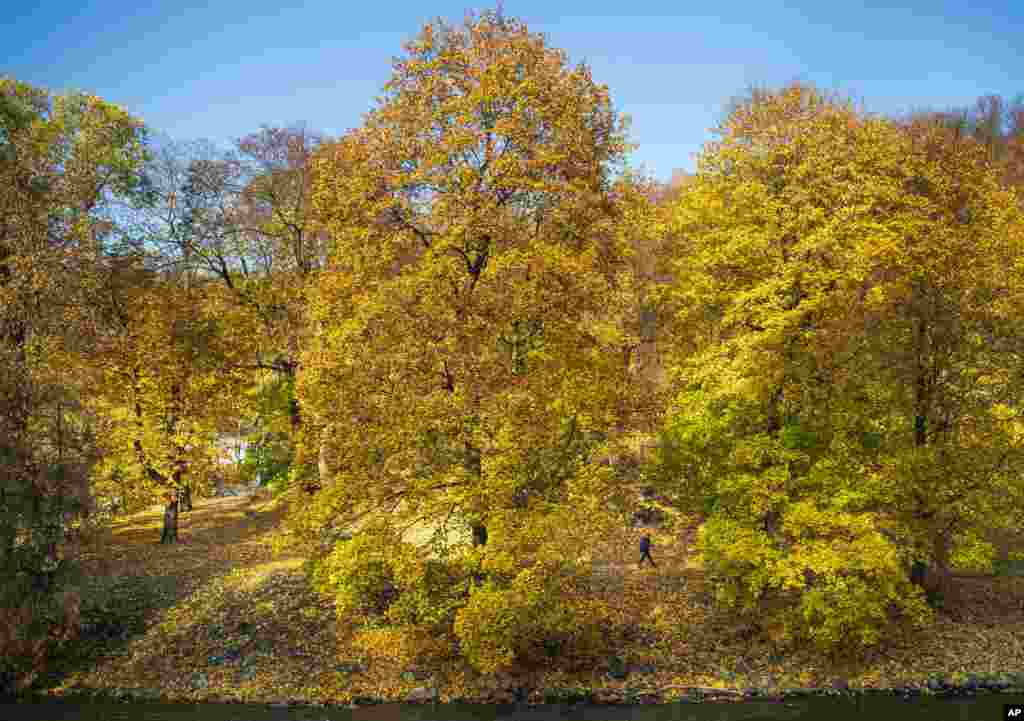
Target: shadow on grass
point(129, 582)
point(1005, 567)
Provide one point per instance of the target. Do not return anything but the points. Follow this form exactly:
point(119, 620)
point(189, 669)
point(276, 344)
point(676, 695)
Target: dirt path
point(217, 535)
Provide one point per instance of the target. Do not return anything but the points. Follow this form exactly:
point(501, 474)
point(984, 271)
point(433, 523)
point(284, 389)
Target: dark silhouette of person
point(645, 551)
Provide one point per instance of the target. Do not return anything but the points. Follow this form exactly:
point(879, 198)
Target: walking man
point(645, 551)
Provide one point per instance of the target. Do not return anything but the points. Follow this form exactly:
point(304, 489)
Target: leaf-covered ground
point(220, 617)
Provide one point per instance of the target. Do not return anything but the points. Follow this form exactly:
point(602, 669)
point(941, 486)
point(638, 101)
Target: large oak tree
point(473, 323)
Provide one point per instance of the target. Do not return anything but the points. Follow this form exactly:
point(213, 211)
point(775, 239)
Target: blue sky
point(221, 69)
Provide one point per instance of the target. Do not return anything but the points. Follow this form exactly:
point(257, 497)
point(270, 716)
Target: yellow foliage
point(500, 627)
point(475, 322)
point(838, 417)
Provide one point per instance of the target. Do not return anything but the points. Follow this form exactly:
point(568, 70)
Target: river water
point(874, 708)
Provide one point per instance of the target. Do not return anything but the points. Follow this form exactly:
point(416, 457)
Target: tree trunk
point(186, 498)
point(309, 485)
point(8, 532)
point(918, 570)
point(770, 520)
point(937, 578)
point(472, 462)
point(169, 534)
point(170, 530)
point(323, 464)
point(294, 415)
point(931, 574)
point(290, 369)
point(479, 539)
point(479, 534)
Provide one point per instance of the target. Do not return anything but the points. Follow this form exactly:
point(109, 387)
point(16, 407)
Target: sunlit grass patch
point(250, 578)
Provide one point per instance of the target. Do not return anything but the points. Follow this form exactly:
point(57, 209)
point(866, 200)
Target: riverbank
point(221, 618)
point(1010, 684)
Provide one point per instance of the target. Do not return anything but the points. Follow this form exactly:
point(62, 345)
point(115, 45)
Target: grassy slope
point(162, 619)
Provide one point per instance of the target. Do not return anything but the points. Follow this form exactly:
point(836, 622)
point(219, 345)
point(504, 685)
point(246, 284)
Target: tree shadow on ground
point(128, 581)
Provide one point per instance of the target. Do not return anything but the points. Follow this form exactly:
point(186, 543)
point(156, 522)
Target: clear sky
point(221, 69)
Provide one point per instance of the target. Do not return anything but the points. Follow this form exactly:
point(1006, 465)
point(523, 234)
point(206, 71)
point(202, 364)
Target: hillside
point(219, 617)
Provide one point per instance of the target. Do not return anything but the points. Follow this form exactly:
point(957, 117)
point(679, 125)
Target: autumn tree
point(242, 217)
point(275, 216)
point(470, 346)
point(995, 123)
point(845, 418)
point(65, 161)
point(998, 125)
point(169, 377)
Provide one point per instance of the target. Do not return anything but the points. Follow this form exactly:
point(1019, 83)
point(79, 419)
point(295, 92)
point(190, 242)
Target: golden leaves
point(832, 278)
point(479, 253)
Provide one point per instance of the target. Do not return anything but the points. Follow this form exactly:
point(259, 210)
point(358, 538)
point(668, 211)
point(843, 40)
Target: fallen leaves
point(225, 619)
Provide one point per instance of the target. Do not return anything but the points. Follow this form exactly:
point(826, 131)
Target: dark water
point(982, 708)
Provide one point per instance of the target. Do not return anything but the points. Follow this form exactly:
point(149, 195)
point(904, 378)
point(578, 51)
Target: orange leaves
point(474, 112)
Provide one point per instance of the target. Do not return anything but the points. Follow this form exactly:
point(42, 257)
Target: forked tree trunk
point(186, 498)
point(170, 530)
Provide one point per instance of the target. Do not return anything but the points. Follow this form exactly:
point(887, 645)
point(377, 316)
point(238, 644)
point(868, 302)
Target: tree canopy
point(469, 345)
point(64, 161)
point(849, 284)
point(448, 331)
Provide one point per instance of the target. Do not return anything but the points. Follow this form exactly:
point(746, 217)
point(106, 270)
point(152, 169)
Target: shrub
point(430, 593)
point(39, 532)
point(834, 580)
point(358, 573)
point(525, 623)
point(408, 607)
point(278, 483)
point(34, 626)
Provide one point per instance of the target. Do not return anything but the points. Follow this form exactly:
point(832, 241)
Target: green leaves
point(828, 289)
point(64, 162)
